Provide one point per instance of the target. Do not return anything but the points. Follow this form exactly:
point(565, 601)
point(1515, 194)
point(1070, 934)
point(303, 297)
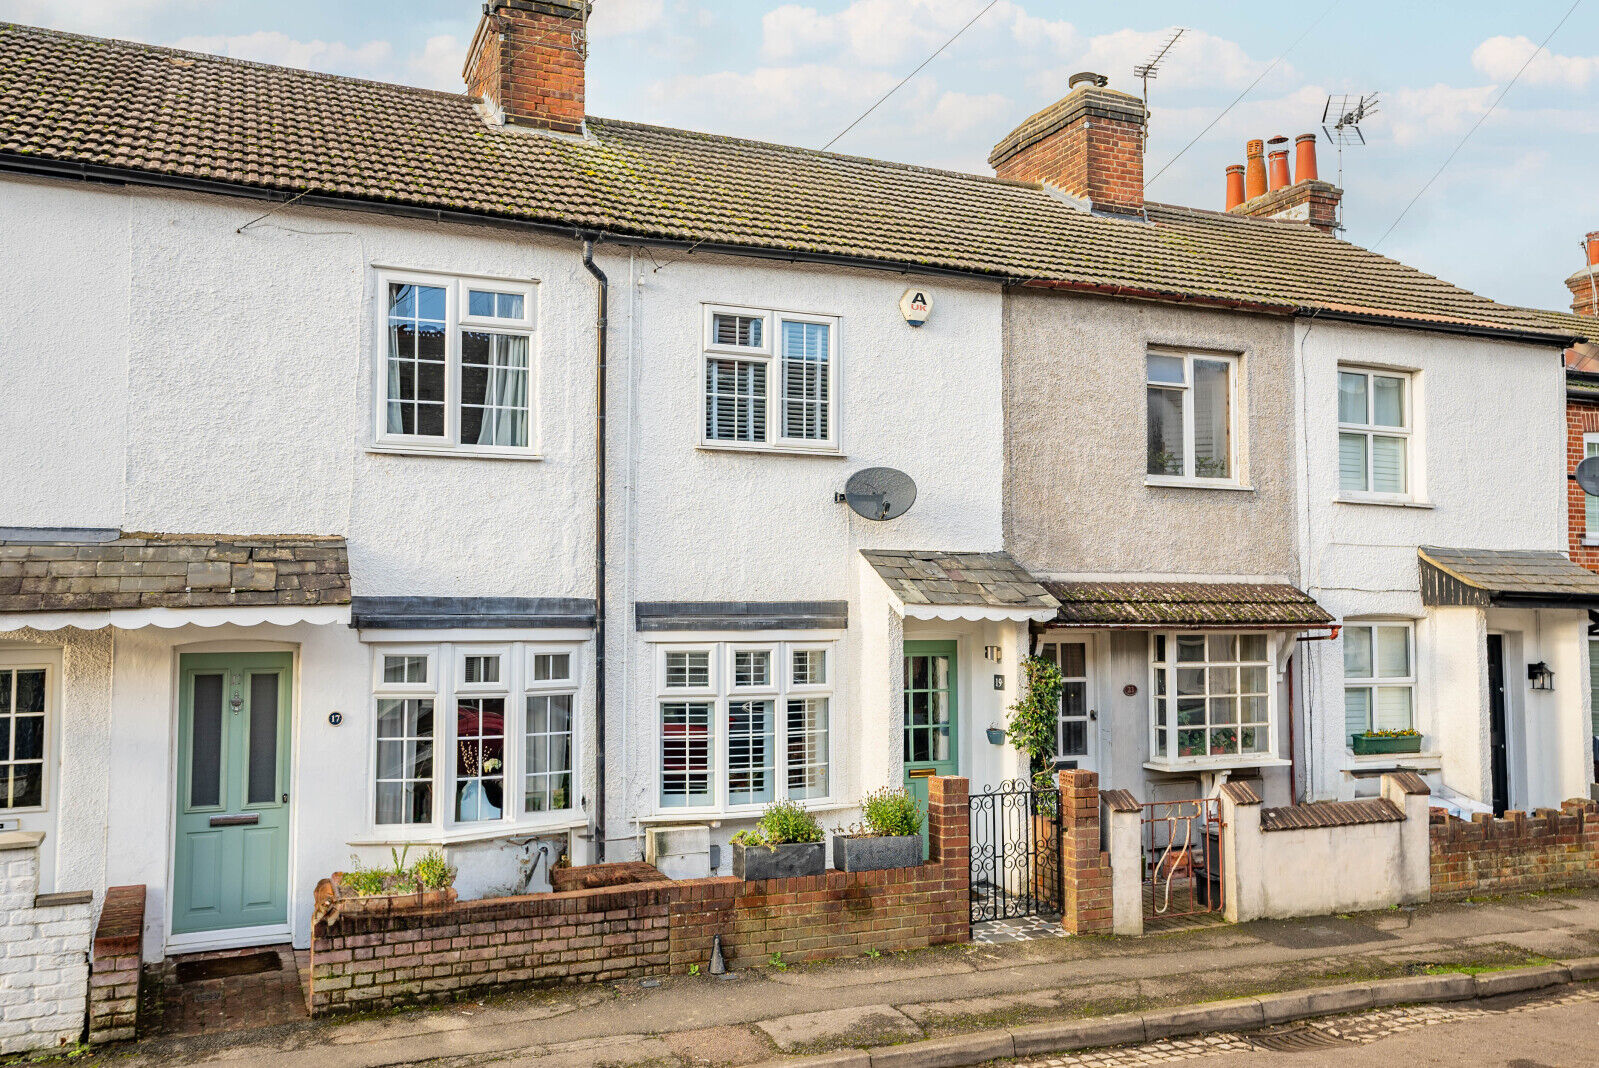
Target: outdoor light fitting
point(1540, 676)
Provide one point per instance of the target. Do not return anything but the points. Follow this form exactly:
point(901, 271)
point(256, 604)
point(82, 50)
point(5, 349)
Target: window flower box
point(1396, 742)
point(783, 860)
point(877, 852)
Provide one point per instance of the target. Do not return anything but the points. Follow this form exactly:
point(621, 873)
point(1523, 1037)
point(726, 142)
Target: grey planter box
point(785, 861)
point(876, 854)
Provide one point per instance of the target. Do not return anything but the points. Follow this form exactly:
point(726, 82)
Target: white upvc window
point(1192, 413)
point(1374, 433)
point(743, 724)
point(770, 380)
point(455, 365)
point(474, 735)
point(25, 702)
point(1379, 677)
point(1590, 503)
point(1211, 697)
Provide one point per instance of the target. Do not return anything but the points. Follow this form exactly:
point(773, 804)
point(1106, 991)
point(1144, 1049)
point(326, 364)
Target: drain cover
point(1293, 1038)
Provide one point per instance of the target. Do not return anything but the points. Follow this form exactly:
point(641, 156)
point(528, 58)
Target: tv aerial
point(1151, 66)
point(1340, 121)
point(879, 493)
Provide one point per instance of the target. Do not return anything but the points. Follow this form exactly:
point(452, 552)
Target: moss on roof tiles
point(137, 107)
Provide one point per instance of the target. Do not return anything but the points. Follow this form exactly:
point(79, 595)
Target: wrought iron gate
point(1015, 851)
point(1182, 859)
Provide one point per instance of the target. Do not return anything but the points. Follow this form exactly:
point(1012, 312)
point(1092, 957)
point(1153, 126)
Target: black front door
point(1496, 723)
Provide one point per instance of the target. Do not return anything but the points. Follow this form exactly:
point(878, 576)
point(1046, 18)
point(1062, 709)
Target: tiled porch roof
point(1185, 604)
point(127, 570)
point(994, 580)
point(1495, 576)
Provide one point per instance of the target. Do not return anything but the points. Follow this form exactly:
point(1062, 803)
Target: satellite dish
point(879, 493)
point(1587, 475)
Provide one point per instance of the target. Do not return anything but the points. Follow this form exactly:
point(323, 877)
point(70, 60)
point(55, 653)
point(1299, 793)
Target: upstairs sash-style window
point(761, 396)
point(1191, 422)
point(1373, 433)
point(456, 365)
point(1379, 677)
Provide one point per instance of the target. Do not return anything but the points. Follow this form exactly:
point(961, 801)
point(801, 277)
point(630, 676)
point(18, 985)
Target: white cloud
point(879, 33)
point(1418, 115)
point(438, 65)
point(105, 17)
point(620, 18)
point(799, 101)
point(956, 114)
point(270, 46)
point(1500, 57)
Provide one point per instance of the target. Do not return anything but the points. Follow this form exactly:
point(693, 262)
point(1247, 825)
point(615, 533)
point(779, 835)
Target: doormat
point(193, 971)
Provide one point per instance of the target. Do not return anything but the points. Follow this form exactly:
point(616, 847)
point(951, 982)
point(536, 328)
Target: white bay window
point(455, 365)
point(491, 729)
point(1212, 697)
point(742, 725)
point(770, 380)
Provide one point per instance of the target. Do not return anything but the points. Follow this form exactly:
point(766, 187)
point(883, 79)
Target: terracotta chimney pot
point(1277, 166)
point(1235, 185)
point(1591, 243)
point(1255, 170)
point(1305, 158)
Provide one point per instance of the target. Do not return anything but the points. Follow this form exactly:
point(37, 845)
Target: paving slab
point(858, 1025)
point(927, 1013)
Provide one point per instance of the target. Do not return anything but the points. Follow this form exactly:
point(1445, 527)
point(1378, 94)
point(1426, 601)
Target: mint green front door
point(931, 718)
point(232, 864)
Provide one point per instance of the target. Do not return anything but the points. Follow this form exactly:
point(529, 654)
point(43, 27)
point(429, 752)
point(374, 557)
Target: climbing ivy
point(1032, 717)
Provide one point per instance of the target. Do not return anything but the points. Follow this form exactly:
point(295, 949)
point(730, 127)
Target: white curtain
point(505, 399)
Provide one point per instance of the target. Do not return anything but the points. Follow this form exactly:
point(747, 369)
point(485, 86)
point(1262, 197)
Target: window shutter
point(806, 359)
point(1352, 462)
point(743, 331)
point(735, 400)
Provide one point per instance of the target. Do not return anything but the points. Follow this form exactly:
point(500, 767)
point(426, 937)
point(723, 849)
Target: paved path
point(757, 1015)
point(1544, 1032)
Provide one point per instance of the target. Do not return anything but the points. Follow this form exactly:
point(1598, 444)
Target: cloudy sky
point(1505, 218)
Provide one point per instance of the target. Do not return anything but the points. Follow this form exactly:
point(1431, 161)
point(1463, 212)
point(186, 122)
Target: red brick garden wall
point(365, 961)
point(1547, 850)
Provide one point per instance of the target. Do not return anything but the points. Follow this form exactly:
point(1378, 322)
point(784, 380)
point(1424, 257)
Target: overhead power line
point(1247, 89)
point(1481, 119)
point(909, 76)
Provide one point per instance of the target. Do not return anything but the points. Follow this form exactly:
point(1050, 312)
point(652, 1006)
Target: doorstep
point(194, 993)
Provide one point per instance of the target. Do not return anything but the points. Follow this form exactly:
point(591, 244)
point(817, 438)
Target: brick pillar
point(949, 841)
point(114, 970)
point(1085, 867)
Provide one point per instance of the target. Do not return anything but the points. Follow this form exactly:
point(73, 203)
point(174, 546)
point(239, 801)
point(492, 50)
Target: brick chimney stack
point(526, 62)
point(1584, 285)
point(1308, 199)
point(1090, 144)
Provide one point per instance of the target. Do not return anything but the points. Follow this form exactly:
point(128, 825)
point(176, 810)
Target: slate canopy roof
point(83, 106)
point(953, 579)
point(1526, 578)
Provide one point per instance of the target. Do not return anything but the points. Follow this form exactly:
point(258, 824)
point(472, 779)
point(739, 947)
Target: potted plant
point(1405, 741)
point(787, 842)
point(888, 836)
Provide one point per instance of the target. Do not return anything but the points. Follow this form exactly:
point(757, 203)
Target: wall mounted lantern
point(1540, 676)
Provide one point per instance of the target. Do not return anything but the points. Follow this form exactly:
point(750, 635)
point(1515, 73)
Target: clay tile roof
point(127, 570)
point(1411, 783)
point(1120, 800)
point(1185, 604)
point(1240, 793)
point(69, 102)
point(934, 578)
point(1330, 814)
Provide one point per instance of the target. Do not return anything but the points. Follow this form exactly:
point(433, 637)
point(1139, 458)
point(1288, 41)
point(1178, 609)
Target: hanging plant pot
point(996, 736)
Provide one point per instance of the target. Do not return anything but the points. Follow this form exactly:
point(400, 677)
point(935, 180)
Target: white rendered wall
point(1487, 416)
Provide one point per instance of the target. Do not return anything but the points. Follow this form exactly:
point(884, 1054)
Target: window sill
point(1590, 541)
point(457, 836)
point(771, 450)
point(717, 817)
point(1388, 502)
point(1424, 759)
point(1242, 760)
point(1197, 483)
point(452, 454)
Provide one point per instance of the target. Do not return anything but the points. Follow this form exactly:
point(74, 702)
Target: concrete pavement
point(759, 1015)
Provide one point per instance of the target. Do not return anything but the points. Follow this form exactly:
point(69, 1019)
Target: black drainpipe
point(599, 548)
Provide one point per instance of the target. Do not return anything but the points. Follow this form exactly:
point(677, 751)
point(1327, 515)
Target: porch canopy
point(55, 578)
point(1505, 579)
point(1186, 606)
point(941, 585)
